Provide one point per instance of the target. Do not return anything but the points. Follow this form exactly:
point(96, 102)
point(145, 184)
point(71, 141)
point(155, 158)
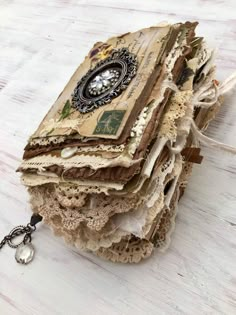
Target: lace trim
point(133, 249)
point(94, 242)
point(140, 125)
point(128, 250)
point(92, 161)
point(75, 207)
point(47, 141)
point(149, 163)
point(96, 232)
point(87, 186)
point(139, 221)
point(103, 147)
point(166, 224)
point(176, 109)
point(185, 174)
point(156, 183)
point(174, 54)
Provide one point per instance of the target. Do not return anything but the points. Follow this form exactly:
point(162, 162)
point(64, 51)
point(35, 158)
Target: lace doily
point(75, 207)
point(132, 249)
point(127, 251)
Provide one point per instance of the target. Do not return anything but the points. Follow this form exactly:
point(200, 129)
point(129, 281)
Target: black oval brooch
point(105, 81)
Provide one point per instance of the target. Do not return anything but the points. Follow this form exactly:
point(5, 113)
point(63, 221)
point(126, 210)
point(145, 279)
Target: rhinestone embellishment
point(103, 81)
point(24, 253)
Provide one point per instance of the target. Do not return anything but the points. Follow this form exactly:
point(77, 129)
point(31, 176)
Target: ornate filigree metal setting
point(105, 81)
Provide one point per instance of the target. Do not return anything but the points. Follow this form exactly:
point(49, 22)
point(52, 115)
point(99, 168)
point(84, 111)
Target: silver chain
point(21, 230)
point(17, 231)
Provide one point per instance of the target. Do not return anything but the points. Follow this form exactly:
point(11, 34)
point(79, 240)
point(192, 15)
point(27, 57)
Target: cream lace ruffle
point(74, 208)
point(127, 251)
point(131, 249)
point(93, 215)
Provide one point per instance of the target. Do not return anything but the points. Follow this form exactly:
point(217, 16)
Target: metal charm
point(105, 81)
point(24, 253)
point(24, 249)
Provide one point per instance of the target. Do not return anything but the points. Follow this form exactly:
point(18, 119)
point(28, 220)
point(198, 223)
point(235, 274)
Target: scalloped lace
point(128, 250)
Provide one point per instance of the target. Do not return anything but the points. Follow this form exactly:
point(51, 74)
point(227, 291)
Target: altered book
point(110, 161)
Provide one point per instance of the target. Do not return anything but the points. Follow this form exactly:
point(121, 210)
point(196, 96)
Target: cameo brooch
point(105, 81)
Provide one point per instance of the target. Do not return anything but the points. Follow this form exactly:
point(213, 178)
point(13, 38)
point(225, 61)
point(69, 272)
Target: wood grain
point(42, 43)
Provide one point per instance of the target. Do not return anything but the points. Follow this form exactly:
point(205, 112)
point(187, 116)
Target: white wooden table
point(41, 44)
